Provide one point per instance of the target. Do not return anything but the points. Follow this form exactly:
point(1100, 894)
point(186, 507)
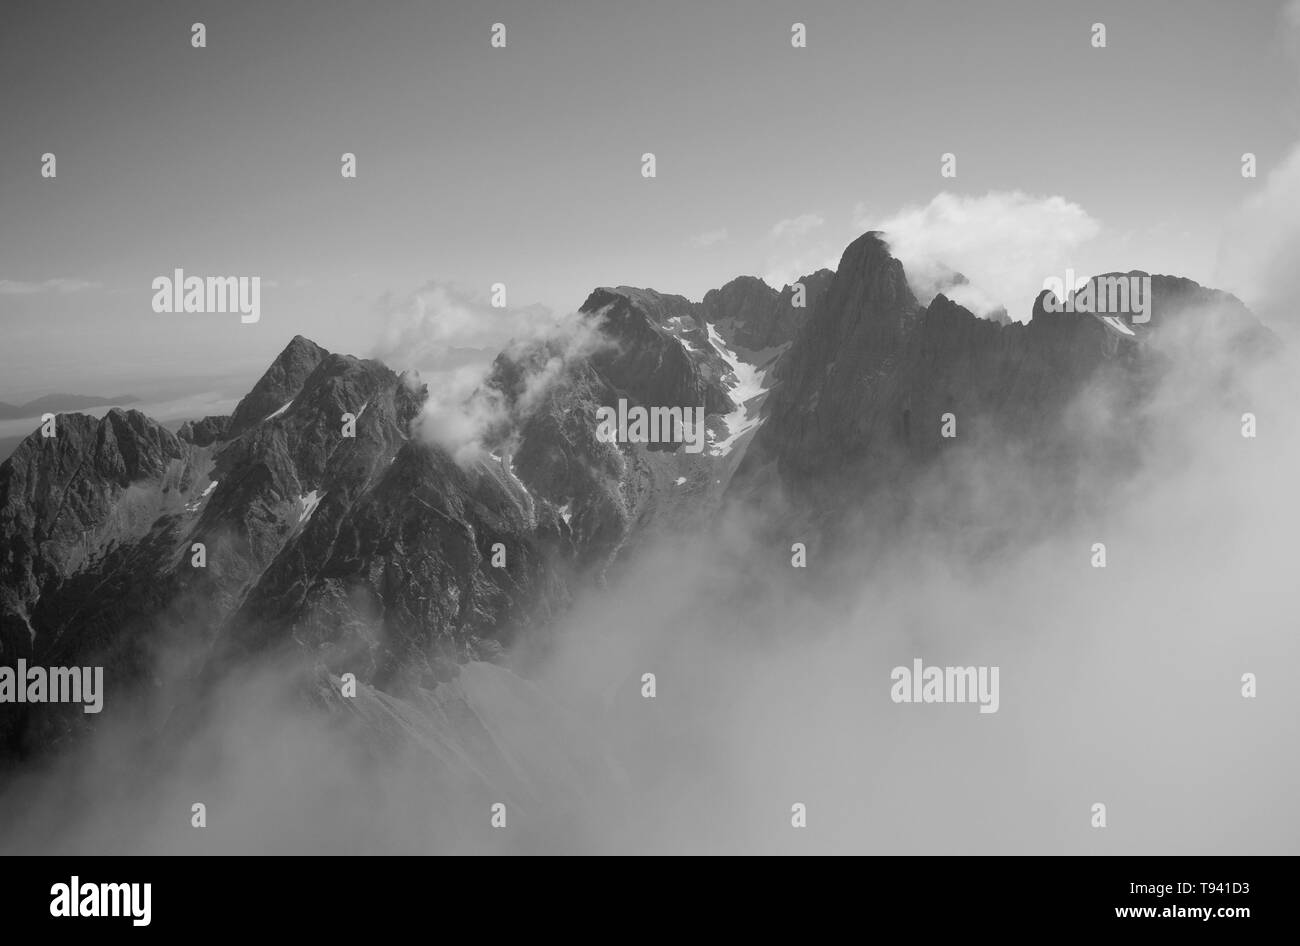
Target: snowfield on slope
point(748, 386)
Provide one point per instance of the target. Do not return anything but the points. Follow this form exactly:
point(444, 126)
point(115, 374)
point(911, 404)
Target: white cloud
point(1005, 243)
point(451, 338)
point(796, 226)
point(708, 239)
point(1261, 244)
point(1261, 241)
point(11, 287)
point(441, 325)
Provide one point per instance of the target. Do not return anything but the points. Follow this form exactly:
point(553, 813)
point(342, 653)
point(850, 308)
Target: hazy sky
point(522, 165)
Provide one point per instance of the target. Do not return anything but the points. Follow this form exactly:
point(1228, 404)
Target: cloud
point(1004, 243)
point(463, 413)
point(1261, 243)
point(1261, 240)
point(442, 326)
point(796, 226)
point(12, 287)
point(708, 239)
point(450, 339)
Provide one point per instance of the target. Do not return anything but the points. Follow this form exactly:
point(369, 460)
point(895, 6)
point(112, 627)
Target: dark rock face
point(831, 372)
point(90, 519)
point(557, 456)
point(755, 316)
point(281, 383)
point(647, 363)
point(205, 432)
point(398, 585)
point(66, 498)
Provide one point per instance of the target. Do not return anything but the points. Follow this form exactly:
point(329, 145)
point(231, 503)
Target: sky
point(522, 165)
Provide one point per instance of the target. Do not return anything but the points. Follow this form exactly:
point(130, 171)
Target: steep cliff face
point(76, 501)
point(281, 383)
point(92, 518)
point(832, 374)
point(751, 314)
point(659, 352)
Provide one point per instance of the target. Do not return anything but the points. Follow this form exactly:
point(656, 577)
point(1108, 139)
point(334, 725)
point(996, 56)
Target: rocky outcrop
point(648, 363)
point(205, 432)
point(281, 383)
point(753, 315)
point(68, 500)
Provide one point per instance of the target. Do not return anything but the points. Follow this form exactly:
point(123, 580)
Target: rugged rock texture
point(753, 315)
point(68, 501)
point(281, 383)
point(205, 432)
point(647, 361)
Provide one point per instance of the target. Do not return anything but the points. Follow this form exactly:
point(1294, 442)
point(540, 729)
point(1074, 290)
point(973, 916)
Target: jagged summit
point(753, 315)
point(659, 352)
point(279, 385)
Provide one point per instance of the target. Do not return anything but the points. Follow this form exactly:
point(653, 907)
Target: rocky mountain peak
point(279, 385)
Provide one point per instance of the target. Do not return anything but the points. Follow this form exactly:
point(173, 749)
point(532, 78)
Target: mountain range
point(340, 530)
point(53, 403)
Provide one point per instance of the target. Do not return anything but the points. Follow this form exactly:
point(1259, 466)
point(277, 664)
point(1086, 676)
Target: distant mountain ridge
point(57, 403)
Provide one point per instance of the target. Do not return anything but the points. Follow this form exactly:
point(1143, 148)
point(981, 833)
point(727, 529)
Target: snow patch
point(679, 327)
point(307, 505)
point(193, 505)
point(274, 414)
point(748, 385)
